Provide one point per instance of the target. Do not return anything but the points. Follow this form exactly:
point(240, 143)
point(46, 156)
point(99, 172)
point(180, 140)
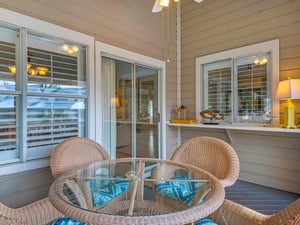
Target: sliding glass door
point(131, 95)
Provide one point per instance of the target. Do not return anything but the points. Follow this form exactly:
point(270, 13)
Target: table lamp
point(288, 89)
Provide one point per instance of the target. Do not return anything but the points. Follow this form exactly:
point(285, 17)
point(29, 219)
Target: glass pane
point(55, 66)
point(147, 112)
point(218, 85)
point(253, 97)
point(52, 120)
point(109, 102)
point(124, 109)
point(9, 39)
point(219, 89)
point(131, 95)
point(8, 128)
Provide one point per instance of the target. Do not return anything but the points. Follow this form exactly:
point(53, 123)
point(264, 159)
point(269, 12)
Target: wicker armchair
point(211, 154)
point(231, 213)
point(40, 212)
point(74, 153)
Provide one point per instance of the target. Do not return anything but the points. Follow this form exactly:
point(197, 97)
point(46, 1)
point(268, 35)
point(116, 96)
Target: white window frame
point(20, 20)
point(271, 46)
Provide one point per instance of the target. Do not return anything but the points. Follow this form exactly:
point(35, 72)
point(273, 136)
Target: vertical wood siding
point(128, 24)
point(215, 26)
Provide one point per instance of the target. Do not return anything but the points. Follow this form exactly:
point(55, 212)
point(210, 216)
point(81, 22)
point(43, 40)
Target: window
point(238, 83)
point(43, 93)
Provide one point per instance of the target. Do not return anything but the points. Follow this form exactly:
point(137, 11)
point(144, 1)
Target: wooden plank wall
point(213, 26)
point(20, 189)
point(269, 158)
point(128, 24)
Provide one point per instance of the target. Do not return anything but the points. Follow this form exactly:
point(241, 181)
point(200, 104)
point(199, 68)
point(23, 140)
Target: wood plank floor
point(260, 198)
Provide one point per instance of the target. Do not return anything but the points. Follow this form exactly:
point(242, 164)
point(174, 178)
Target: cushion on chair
point(105, 190)
point(66, 221)
point(183, 191)
point(205, 221)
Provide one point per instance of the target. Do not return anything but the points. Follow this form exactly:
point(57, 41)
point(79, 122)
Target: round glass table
point(137, 191)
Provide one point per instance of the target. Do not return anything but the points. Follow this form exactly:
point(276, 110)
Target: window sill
point(235, 127)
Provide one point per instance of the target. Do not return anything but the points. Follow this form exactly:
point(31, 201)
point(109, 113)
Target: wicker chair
point(74, 153)
point(40, 212)
point(231, 213)
point(211, 154)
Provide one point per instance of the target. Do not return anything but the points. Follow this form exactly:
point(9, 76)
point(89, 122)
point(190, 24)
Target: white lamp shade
point(288, 89)
point(164, 3)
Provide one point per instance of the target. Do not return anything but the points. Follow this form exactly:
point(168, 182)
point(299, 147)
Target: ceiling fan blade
point(157, 7)
point(198, 1)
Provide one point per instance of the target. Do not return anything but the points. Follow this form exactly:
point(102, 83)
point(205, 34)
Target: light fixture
point(288, 89)
point(39, 70)
point(12, 69)
point(159, 4)
point(70, 49)
point(260, 61)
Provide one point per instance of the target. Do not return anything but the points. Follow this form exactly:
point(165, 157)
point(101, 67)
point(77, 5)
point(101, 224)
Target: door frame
point(106, 49)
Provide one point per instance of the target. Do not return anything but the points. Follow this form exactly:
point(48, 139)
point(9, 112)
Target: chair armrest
point(40, 212)
point(235, 214)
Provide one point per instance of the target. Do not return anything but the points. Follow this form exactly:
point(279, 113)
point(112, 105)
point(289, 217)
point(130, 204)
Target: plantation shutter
point(9, 96)
point(218, 87)
point(252, 88)
point(56, 102)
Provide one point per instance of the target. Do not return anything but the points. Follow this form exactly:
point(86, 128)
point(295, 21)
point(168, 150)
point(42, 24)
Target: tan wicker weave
point(134, 208)
point(167, 173)
point(74, 153)
point(41, 212)
point(236, 214)
point(211, 154)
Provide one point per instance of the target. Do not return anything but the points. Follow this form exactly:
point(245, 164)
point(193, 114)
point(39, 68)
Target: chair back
point(211, 154)
point(74, 153)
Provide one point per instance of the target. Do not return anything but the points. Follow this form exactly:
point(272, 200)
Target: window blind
point(7, 123)
point(55, 102)
point(7, 56)
point(52, 119)
point(252, 88)
point(219, 90)
point(8, 98)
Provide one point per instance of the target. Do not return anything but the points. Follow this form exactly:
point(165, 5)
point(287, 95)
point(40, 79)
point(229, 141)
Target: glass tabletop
point(137, 191)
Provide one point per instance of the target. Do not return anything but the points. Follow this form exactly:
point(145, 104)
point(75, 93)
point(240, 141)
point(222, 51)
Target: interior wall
point(126, 24)
point(267, 158)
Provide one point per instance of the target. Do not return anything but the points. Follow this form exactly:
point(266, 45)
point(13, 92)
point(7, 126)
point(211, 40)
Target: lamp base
point(289, 115)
